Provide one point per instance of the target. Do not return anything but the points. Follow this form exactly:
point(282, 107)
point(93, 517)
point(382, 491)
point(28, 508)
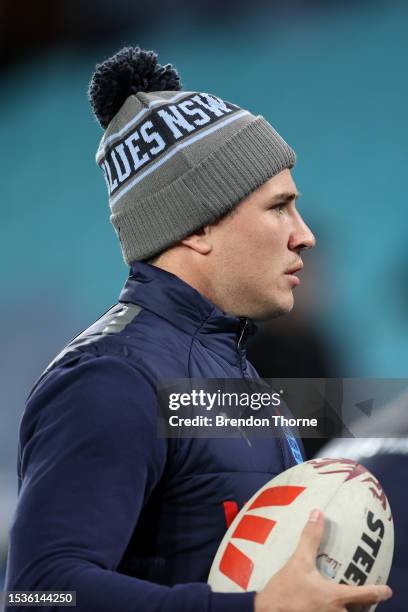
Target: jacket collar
point(183, 306)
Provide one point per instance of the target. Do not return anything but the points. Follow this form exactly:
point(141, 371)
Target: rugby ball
point(358, 540)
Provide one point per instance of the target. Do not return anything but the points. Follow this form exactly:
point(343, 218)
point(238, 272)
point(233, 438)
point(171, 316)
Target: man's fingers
point(311, 537)
point(306, 552)
point(369, 594)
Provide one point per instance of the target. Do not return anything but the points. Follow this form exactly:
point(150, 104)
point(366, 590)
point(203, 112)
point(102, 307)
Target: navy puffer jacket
point(106, 508)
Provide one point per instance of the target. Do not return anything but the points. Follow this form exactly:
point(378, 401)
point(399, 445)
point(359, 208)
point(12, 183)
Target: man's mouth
point(296, 268)
point(291, 272)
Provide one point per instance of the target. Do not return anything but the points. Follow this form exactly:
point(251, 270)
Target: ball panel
point(357, 544)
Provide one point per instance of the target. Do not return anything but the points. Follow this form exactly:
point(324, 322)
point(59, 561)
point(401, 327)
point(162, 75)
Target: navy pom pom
point(127, 72)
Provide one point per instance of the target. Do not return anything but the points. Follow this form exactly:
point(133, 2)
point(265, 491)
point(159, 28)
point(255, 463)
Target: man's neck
point(193, 277)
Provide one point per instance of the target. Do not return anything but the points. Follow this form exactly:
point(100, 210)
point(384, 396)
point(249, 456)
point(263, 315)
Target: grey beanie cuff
point(204, 193)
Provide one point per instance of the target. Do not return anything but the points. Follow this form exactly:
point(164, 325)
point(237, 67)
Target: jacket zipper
point(239, 349)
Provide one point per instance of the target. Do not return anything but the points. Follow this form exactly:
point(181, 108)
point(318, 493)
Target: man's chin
point(274, 310)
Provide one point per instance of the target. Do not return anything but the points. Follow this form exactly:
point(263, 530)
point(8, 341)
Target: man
point(202, 189)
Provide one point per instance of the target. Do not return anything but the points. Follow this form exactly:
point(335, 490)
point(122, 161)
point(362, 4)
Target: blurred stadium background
point(329, 75)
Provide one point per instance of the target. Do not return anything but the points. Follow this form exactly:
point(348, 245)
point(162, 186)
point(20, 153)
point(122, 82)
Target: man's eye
point(279, 208)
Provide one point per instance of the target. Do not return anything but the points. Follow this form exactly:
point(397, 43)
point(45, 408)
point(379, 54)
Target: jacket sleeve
point(89, 458)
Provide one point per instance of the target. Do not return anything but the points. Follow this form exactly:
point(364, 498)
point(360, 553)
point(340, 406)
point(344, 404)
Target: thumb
point(311, 537)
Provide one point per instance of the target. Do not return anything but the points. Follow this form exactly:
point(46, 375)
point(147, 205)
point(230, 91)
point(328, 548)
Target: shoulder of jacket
point(95, 338)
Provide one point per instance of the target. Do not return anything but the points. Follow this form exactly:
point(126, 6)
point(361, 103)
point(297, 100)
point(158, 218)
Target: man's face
point(256, 251)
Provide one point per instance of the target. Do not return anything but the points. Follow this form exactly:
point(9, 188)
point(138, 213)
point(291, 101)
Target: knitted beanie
point(173, 160)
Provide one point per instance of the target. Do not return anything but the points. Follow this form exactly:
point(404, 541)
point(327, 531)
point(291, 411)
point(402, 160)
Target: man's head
point(195, 178)
point(246, 263)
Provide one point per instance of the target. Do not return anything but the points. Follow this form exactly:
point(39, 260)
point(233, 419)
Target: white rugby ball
point(358, 541)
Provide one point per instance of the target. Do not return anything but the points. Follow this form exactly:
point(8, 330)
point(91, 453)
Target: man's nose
point(302, 236)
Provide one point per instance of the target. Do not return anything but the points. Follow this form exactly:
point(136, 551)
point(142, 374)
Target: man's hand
point(299, 586)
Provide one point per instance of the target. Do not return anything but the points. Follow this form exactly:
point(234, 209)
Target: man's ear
point(200, 241)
